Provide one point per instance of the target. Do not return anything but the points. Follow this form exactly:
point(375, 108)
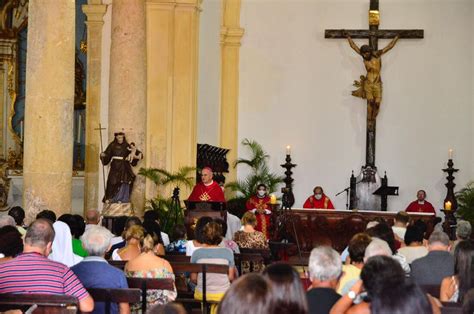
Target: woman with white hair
point(62, 246)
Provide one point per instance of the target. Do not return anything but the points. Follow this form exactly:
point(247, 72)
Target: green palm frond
point(258, 155)
point(465, 198)
point(163, 177)
point(259, 172)
point(151, 174)
point(182, 176)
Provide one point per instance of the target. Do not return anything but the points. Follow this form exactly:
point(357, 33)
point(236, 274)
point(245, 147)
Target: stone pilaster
point(172, 74)
point(127, 91)
point(231, 35)
point(49, 107)
point(95, 14)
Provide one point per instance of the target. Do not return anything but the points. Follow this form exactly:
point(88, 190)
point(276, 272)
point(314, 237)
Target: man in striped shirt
point(33, 272)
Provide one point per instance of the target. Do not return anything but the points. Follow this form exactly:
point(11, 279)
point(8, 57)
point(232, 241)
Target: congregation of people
point(385, 269)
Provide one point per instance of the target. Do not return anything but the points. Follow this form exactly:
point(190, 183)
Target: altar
point(336, 227)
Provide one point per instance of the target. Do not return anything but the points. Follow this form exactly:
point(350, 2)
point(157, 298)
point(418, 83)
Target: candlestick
point(450, 153)
point(79, 129)
point(288, 150)
point(273, 199)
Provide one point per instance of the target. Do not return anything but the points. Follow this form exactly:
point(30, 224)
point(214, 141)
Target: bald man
point(92, 217)
point(207, 190)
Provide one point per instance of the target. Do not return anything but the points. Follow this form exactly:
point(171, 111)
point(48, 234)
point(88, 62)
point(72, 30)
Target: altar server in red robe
point(318, 200)
point(259, 204)
point(207, 190)
point(421, 205)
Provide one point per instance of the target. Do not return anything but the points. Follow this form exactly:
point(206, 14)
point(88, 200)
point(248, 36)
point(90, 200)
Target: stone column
point(172, 74)
point(231, 34)
point(95, 13)
point(127, 93)
point(49, 107)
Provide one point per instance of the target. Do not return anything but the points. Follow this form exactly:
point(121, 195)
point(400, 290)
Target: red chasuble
point(207, 193)
point(323, 203)
point(263, 220)
point(414, 207)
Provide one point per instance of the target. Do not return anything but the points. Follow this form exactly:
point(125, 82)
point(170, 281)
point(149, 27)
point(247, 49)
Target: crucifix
point(370, 86)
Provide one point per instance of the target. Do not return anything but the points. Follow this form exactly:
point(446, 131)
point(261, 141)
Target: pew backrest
point(45, 303)
point(108, 296)
point(145, 284)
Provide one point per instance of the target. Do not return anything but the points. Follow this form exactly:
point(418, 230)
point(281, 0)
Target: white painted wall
point(295, 89)
point(209, 73)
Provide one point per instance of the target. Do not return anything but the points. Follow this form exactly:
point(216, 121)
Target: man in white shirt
point(400, 225)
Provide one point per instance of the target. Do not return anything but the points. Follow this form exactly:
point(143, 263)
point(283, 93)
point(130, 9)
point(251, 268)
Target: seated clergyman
point(318, 200)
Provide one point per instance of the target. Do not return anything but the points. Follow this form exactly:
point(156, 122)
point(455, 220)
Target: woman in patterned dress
point(249, 238)
point(148, 265)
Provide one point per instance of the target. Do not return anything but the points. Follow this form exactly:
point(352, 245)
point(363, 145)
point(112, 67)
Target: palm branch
point(259, 172)
point(465, 198)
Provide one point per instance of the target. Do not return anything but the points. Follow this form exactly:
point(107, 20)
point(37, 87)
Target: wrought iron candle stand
point(288, 198)
point(450, 222)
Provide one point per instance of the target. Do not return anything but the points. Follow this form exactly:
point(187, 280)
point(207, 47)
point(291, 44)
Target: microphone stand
point(347, 196)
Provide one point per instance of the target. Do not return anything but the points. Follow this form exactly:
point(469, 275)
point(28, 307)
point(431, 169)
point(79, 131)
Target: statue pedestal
point(117, 209)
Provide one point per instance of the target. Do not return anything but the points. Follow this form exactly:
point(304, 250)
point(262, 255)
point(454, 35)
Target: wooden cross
point(100, 128)
point(373, 34)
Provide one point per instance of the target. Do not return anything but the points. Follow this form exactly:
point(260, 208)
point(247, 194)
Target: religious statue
point(122, 156)
point(370, 86)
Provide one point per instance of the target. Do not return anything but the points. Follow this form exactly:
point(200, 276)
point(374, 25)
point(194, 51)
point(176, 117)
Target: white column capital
point(94, 12)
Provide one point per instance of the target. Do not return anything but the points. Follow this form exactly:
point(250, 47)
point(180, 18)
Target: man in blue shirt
point(95, 272)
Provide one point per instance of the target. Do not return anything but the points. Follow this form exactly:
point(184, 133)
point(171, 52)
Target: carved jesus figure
point(370, 86)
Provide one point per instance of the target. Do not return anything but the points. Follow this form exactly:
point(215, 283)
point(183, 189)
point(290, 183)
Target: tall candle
point(450, 153)
point(273, 199)
point(288, 150)
point(79, 129)
point(21, 130)
point(447, 205)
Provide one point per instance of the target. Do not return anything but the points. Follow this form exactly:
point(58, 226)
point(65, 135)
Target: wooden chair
point(145, 284)
point(109, 296)
point(39, 303)
point(176, 258)
point(431, 289)
point(451, 308)
point(118, 264)
point(253, 256)
point(180, 268)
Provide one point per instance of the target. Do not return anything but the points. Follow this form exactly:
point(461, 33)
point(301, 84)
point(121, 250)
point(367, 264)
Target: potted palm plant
point(169, 208)
point(259, 173)
point(465, 198)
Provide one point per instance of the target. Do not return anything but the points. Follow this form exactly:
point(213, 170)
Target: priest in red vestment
point(421, 205)
point(207, 190)
point(259, 204)
point(318, 200)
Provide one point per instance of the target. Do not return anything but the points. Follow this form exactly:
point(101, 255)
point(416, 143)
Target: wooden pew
point(184, 268)
point(433, 290)
point(45, 303)
point(252, 256)
point(451, 308)
point(145, 284)
point(180, 268)
point(118, 264)
point(108, 296)
point(173, 258)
